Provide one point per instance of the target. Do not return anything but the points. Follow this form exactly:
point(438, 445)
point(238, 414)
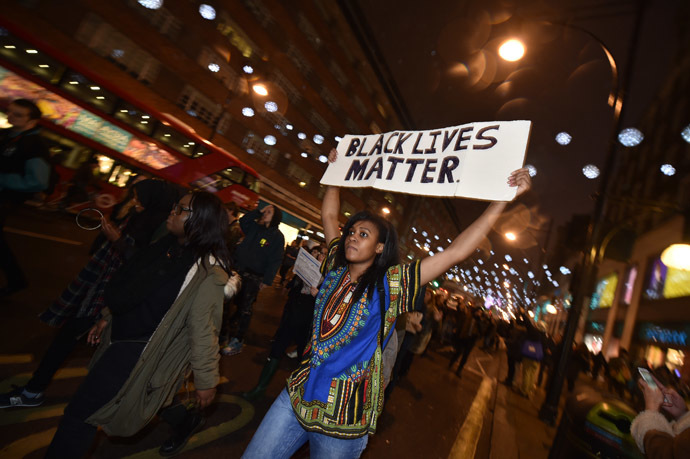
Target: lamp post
point(585, 277)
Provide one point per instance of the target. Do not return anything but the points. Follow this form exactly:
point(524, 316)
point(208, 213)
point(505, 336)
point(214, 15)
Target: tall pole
point(549, 409)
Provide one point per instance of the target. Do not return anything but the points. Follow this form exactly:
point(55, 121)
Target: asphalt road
point(422, 418)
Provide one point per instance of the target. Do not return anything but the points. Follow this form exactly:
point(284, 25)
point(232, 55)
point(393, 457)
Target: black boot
point(266, 375)
point(191, 424)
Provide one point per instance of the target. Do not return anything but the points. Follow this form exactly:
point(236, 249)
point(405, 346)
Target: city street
point(421, 419)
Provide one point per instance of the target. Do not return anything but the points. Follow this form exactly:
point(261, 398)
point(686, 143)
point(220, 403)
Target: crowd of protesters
point(171, 284)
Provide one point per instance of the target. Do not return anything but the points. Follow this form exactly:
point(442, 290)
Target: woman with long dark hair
point(165, 310)
point(334, 398)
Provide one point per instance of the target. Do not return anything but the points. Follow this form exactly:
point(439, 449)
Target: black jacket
point(261, 250)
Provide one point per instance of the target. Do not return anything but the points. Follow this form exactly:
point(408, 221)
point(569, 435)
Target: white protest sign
point(308, 268)
point(472, 160)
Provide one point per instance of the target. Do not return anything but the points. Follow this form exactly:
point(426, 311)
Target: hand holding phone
point(647, 376)
point(651, 382)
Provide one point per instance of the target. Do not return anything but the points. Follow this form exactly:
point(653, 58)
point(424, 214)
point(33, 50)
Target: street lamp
point(549, 409)
point(511, 50)
point(677, 256)
point(260, 89)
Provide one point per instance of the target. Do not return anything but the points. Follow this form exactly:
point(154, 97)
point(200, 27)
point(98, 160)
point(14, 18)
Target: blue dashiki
point(338, 388)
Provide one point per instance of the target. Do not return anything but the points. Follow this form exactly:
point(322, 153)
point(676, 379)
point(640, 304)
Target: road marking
point(23, 378)
point(212, 433)
point(6, 359)
point(31, 414)
point(465, 444)
point(28, 444)
point(41, 236)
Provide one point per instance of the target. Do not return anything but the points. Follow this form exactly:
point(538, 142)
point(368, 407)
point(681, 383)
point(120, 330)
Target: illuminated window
point(605, 291)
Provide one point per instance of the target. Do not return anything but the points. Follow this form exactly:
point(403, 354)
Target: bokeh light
point(269, 140)
point(207, 11)
point(563, 138)
point(686, 133)
point(630, 137)
point(151, 4)
point(590, 171)
point(511, 50)
point(668, 169)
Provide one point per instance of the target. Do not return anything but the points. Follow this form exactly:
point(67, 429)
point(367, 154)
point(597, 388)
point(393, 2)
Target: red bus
point(85, 122)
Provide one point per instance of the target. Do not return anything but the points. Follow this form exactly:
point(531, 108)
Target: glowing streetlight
point(260, 89)
point(511, 50)
point(510, 236)
point(677, 256)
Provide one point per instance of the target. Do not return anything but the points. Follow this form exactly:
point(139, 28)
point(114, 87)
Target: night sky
point(442, 57)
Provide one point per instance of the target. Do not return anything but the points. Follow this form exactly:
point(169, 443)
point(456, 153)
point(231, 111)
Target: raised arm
point(467, 241)
point(330, 208)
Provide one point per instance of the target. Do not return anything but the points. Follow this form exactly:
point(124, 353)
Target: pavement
point(432, 413)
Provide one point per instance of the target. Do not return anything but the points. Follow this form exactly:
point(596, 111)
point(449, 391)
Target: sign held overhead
point(471, 160)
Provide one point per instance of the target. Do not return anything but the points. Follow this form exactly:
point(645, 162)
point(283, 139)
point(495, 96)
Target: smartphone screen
point(647, 377)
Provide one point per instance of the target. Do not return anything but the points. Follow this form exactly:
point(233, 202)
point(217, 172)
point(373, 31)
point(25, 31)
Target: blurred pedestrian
point(465, 333)
point(80, 304)
point(288, 259)
point(295, 326)
point(619, 373)
point(579, 362)
point(257, 259)
point(599, 363)
point(165, 307)
point(532, 355)
point(24, 170)
point(516, 336)
point(83, 184)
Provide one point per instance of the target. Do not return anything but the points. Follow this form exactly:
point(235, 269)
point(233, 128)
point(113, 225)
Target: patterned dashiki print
point(338, 388)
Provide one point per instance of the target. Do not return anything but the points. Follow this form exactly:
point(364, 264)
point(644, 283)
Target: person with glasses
point(165, 309)
point(257, 259)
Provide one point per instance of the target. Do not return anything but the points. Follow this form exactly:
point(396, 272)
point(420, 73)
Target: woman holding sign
point(334, 398)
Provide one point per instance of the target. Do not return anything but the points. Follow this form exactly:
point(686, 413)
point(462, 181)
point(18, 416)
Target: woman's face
point(179, 216)
point(361, 244)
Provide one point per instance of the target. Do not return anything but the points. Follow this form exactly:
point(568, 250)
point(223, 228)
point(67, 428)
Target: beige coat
point(186, 338)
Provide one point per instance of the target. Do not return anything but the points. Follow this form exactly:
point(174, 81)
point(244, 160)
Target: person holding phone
point(655, 435)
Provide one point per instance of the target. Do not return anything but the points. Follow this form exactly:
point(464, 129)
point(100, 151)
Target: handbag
point(532, 350)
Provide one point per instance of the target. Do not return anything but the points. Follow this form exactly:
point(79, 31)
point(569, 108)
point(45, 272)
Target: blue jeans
point(280, 435)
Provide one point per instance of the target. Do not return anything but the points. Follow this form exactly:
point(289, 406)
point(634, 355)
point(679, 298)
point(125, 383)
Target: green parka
point(186, 339)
